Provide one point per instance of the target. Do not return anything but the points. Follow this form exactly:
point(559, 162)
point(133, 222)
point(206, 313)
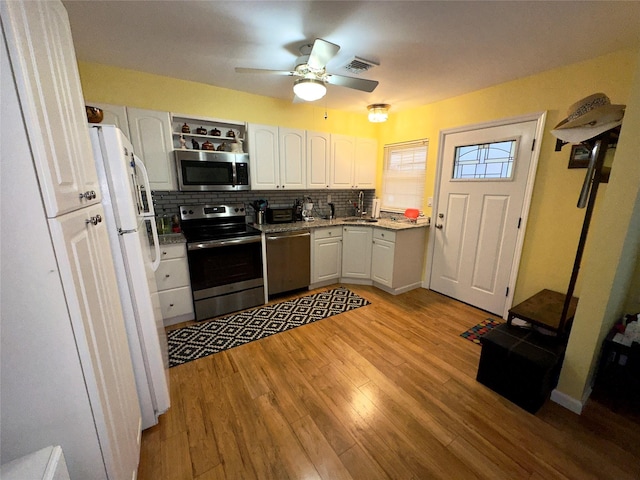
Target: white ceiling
point(427, 50)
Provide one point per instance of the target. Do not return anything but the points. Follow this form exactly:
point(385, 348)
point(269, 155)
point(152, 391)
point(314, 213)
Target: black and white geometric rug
point(213, 336)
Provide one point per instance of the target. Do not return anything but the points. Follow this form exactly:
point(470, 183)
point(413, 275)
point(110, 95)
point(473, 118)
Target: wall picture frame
point(579, 157)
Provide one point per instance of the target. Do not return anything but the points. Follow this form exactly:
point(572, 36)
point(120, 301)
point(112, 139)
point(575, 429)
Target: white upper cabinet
point(152, 141)
point(318, 160)
point(114, 115)
point(293, 158)
point(342, 160)
point(264, 157)
point(365, 163)
point(353, 162)
point(53, 109)
point(278, 158)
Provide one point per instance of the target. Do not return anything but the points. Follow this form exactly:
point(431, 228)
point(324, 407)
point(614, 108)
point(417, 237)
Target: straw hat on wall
point(588, 118)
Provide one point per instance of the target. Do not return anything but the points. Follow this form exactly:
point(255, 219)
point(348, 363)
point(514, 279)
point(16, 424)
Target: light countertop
point(386, 223)
point(171, 238)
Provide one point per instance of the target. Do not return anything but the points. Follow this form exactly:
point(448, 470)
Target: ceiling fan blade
point(321, 53)
point(350, 82)
point(262, 70)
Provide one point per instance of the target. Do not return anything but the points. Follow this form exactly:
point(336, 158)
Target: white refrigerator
point(126, 198)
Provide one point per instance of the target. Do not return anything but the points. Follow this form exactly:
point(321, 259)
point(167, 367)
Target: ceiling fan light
point(378, 112)
point(309, 89)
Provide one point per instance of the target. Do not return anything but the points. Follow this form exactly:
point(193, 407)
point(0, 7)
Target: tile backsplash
point(167, 202)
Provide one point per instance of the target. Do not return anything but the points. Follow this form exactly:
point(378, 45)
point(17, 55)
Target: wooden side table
point(544, 309)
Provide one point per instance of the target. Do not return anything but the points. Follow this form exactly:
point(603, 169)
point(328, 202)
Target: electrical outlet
point(329, 198)
point(429, 201)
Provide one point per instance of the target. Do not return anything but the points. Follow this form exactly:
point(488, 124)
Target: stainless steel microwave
point(200, 170)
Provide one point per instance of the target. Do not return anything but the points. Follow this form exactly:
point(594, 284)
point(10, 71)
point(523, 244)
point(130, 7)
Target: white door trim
point(540, 118)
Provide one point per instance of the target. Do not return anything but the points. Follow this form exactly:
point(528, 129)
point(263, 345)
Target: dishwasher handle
point(288, 235)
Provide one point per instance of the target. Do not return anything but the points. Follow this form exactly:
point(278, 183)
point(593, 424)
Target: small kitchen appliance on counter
point(280, 215)
point(307, 208)
point(297, 211)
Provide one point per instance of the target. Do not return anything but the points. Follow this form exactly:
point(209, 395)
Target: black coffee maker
point(297, 211)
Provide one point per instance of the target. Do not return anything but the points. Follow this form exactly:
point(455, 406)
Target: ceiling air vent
point(359, 65)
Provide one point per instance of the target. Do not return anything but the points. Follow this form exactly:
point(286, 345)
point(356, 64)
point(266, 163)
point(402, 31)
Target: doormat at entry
point(477, 331)
point(213, 336)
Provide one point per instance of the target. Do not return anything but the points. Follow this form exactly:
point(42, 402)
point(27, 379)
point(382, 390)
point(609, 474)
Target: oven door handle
point(223, 243)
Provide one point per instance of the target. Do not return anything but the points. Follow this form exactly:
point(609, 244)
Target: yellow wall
point(554, 222)
point(609, 268)
point(116, 86)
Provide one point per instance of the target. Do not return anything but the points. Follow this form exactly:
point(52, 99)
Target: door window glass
point(485, 161)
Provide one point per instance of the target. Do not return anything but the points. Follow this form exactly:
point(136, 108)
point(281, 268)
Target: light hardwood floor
point(386, 391)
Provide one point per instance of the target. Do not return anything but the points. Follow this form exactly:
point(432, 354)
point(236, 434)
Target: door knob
point(439, 226)
point(441, 215)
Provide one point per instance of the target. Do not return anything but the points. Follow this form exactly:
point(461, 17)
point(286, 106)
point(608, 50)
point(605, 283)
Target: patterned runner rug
point(477, 331)
point(213, 336)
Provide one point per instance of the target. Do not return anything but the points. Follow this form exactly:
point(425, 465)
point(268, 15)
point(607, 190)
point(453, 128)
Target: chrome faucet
point(361, 211)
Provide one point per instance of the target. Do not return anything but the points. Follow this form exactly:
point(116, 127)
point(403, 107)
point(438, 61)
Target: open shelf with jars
point(206, 134)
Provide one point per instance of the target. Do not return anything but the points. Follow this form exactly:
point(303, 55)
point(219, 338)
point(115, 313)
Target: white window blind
point(404, 175)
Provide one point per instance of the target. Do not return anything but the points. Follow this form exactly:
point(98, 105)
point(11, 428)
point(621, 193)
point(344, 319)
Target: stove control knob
point(242, 209)
point(184, 212)
point(236, 210)
point(190, 212)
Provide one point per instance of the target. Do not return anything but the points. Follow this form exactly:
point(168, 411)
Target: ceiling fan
point(311, 73)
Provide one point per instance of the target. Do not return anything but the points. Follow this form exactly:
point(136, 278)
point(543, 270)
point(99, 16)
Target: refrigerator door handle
point(156, 245)
point(147, 187)
point(150, 214)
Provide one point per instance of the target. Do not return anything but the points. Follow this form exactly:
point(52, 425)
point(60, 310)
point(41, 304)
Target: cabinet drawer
point(175, 250)
point(176, 302)
point(172, 274)
point(331, 232)
point(381, 234)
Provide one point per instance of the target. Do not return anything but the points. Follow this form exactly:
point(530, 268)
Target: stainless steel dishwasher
point(288, 261)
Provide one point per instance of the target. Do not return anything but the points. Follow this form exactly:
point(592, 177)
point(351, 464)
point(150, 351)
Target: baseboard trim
point(569, 402)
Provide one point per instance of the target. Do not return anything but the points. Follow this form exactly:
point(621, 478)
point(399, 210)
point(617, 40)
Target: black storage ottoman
point(521, 365)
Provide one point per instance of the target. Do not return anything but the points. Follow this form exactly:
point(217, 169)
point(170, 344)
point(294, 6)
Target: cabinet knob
point(439, 226)
point(88, 195)
point(167, 275)
point(93, 220)
point(164, 253)
point(171, 304)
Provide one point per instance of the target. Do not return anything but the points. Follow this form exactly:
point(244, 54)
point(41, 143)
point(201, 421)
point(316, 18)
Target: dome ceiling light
point(378, 112)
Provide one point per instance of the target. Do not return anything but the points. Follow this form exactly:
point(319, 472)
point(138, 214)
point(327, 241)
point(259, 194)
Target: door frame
point(540, 118)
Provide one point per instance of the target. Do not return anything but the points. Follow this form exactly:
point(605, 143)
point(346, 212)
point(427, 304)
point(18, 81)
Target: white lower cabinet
point(397, 259)
point(356, 252)
point(326, 254)
point(382, 256)
point(174, 289)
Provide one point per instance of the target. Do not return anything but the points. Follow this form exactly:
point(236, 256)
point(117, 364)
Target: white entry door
point(483, 179)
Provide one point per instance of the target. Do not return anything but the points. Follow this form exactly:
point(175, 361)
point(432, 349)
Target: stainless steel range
point(225, 259)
